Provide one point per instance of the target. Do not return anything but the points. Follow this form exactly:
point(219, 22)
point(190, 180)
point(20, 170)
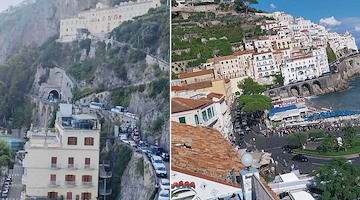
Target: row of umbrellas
point(336, 113)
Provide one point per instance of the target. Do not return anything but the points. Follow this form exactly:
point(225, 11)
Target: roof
point(207, 154)
point(226, 80)
point(178, 88)
point(262, 53)
point(277, 52)
point(222, 58)
point(199, 85)
point(303, 57)
point(301, 195)
point(83, 117)
point(179, 104)
point(194, 74)
point(289, 177)
point(215, 95)
point(210, 153)
point(238, 53)
point(273, 111)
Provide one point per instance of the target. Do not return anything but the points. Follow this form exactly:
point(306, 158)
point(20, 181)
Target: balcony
point(87, 184)
point(54, 166)
point(53, 184)
point(88, 167)
point(70, 183)
point(71, 166)
point(105, 192)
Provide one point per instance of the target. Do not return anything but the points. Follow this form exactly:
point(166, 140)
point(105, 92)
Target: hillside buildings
point(102, 19)
point(65, 162)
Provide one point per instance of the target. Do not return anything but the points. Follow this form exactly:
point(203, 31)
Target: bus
point(96, 105)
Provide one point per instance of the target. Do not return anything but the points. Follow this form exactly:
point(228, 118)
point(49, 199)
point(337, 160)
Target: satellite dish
point(247, 160)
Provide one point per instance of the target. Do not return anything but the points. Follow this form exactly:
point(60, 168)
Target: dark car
point(251, 149)
point(165, 157)
point(287, 148)
point(300, 158)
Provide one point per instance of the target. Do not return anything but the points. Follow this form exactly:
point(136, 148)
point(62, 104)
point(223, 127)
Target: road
point(273, 145)
point(16, 186)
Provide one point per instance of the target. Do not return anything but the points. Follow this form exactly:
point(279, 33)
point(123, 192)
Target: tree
point(249, 86)
point(329, 143)
point(350, 136)
point(244, 4)
point(316, 133)
point(5, 154)
point(256, 102)
point(297, 139)
point(339, 180)
point(279, 79)
point(174, 3)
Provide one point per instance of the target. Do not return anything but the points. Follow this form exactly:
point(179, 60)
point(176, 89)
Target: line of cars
point(241, 126)
point(157, 155)
point(6, 187)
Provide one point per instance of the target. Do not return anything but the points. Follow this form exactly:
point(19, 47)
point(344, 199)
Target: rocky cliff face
point(37, 22)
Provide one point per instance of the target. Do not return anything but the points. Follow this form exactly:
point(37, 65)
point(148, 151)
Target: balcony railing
point(71, 166)
point(54, 166)
point(89, 167)
point(53, 184)
point(87, 184)
point(70, 183)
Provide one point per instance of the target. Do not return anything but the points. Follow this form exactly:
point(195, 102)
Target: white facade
point(66, 162)
point(321, 59)
point(264, 65)
point(103, 19)
point(300, 69)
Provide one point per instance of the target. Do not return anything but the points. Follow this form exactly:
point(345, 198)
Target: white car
point(165, 184)
point(164, 195)
point(160, 170)
point(133, 144)
point(156, 160)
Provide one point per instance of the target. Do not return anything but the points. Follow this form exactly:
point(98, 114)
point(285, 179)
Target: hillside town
point(250, 106)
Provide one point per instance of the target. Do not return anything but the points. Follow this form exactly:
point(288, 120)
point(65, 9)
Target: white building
point(264, 64)
point(340, 41)
point(321, 59)
point(288, 114)
point(103, 19)
point(300, 69)
point(66, 162)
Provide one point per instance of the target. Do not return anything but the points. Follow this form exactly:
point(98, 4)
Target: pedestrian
point(292, 167)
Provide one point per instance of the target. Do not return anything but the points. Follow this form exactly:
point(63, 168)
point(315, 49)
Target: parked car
point(165, 157)
point(133, 144)
point(320, 148)
point(165, 184)
point(164, 195)
point(157, 150)
point(160, 170)
point(300, 158)
point(156, 160)
point(251, 149)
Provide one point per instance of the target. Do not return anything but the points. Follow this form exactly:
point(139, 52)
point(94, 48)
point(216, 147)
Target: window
point(204, 115)
point(72, 140)
point(52, 177)
point(68, 195)
point(69, 177)
point(196, 119)
point(53, 160)
point(85, 196)
point(70, 162)
point(182, 120)
point(89, 141)
point(87, 162)
point(52, 195)
point(86, 178)
point(210, 114)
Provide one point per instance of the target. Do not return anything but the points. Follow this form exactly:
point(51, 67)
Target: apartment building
point(103, 19)
point(63, 163)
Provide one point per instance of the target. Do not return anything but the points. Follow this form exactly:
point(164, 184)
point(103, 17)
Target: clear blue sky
point(345, 12)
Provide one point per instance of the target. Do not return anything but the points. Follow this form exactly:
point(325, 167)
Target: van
point(156, 160)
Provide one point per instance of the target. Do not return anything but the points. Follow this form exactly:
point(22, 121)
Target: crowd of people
point(327, 126)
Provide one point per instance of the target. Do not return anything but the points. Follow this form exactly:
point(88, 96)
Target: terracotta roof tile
point(179, 104)
point(194, 74)
point(178, 88)
point(215, 95)
point(259, 53)
point(238, 53)
point(303, 57)
point(210, 153)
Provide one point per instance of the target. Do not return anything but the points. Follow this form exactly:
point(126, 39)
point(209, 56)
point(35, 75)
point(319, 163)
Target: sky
point(336, 15)
point(4, 4)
